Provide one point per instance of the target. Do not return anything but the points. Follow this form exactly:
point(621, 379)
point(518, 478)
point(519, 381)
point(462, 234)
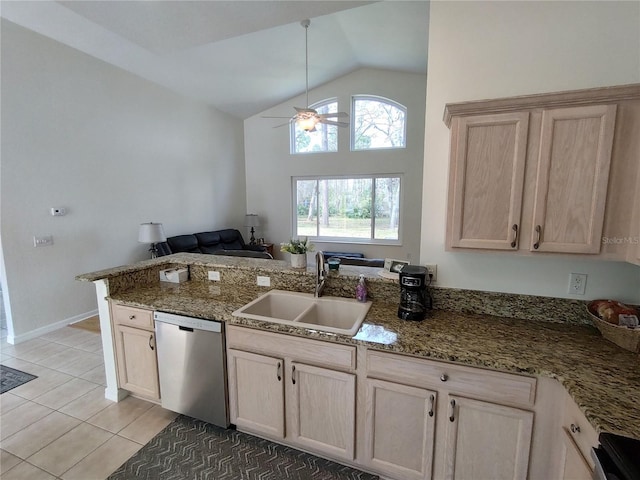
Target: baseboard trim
point(23, 337)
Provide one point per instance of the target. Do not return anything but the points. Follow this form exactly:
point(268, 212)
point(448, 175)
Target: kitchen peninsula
point(531, 364)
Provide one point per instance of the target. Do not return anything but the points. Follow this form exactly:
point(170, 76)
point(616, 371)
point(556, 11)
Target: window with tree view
point(365, 208)
point(323, 139)
point(377, 123)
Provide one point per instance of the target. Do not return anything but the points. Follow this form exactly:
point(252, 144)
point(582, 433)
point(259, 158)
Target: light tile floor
point(60, 426)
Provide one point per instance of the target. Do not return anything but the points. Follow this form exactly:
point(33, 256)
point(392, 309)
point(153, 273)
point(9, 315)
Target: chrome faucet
point(321, 273)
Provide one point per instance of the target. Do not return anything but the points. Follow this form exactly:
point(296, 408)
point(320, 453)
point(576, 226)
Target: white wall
point(116, 151)
point(270, 166)
point(487, 49)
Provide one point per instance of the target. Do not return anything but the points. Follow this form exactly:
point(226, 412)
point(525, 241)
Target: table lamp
point(252, 220)
point(151, 233)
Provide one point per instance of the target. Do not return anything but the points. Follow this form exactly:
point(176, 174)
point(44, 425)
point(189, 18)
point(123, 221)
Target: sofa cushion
point(231, 239)
point(184, 243)
point(210, 242)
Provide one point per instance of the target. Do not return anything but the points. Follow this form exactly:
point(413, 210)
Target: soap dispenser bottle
point(361, 290)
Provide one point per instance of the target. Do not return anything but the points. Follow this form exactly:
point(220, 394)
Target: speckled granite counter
point(603, 379)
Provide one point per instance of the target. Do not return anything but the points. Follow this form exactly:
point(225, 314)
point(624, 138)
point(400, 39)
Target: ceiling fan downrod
point(305, 23)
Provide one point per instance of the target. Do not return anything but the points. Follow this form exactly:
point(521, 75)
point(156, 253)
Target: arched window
point(377, 123)
point(323, 139)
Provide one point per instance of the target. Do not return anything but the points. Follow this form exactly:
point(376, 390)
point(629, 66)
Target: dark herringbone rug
point(11, 378)
point(189, 449)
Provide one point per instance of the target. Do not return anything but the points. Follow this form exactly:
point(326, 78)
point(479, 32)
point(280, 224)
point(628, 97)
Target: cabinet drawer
point(579, 429)
point(134, 317)
point(474, 382)
point(296, 348)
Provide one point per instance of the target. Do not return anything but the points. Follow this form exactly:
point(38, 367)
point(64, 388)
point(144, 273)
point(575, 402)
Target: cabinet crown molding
point(569, 98)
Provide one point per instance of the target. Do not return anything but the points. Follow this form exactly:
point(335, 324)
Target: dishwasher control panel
point(189, 322)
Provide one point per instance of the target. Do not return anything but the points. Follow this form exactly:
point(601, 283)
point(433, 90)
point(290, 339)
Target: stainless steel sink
point(328, 314)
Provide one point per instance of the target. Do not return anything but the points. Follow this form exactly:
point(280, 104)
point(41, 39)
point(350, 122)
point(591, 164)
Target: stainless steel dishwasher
point(192, 368)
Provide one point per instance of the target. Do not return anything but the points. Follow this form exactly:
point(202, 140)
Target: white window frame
point(350, 240)
point(292, 129)
point(376, 98)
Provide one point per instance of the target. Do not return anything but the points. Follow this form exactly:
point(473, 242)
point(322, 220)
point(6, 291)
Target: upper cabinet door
point(572, 179)
point(488, 154)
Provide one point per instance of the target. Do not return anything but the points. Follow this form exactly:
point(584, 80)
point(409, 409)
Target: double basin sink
point(328, 314)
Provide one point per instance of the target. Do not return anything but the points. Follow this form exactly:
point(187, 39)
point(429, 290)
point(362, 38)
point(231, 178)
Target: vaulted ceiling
point(240, 56)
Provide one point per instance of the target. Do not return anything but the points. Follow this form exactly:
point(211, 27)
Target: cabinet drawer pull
point(278, 372)
point(293, 374)
point(452, 411)
point(150, 340)
point(539, 232)
point(574, 428)
point(514, 243)
point(444, 377)
point(432, 398)
point(131, 317)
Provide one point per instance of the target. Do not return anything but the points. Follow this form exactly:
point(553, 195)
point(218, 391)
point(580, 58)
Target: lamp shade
point(251, 220)
point(151, 233)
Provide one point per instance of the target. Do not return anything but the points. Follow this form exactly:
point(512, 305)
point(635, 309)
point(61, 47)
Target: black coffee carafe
point(414, 297)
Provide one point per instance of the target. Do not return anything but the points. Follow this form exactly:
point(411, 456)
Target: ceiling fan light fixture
point(307, 122)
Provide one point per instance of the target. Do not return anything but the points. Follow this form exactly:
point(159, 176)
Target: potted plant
point(298, 249)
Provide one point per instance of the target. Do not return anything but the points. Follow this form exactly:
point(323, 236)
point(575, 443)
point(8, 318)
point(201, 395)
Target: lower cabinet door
point(137, 362)
point(400, 428)
point(575, 467)
point(486, 440)
point(256, 393)
point(321, 410)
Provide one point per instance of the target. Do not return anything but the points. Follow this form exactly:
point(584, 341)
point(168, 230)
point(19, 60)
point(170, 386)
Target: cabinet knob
point(574, 428)
point(444, 377)
point(514, 243)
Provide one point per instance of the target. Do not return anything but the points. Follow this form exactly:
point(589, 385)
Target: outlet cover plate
point(263, 281)
point(214, 275)
point(577, 283)
point(432, 269)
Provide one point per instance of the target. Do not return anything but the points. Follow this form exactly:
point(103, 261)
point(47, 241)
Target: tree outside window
point(365, 208)
point(377, 123)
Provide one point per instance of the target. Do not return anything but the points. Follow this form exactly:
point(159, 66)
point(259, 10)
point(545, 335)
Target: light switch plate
point(214, 275)
point(44, 241)
point(263, 281)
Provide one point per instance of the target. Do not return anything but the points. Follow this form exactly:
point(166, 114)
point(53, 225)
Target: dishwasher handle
point(185, 329)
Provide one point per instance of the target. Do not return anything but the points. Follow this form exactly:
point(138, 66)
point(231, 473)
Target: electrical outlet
point(577, 283)
point(433, 271)
point(263, 281)
point(44, 241)
point(58, 211)
point(214, 275)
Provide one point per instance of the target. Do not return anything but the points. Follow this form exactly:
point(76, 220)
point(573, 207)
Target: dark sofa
point(219, 242)
point(356, 259)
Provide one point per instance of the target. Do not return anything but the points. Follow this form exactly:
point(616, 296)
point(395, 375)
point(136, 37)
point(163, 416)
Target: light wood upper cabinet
point(487, 180)
point(400, 429)
point(486, 440)
point(546, 173)
point(572, 179)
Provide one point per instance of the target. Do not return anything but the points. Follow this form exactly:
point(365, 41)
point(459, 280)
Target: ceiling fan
point(307, 118)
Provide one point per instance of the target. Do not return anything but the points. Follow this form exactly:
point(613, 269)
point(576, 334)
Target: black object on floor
point(191, 449)
point(11, 378)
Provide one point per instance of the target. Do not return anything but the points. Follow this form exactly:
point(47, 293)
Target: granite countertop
point(603, 379)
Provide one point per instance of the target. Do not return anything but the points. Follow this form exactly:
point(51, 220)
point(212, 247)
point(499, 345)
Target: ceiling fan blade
point(331, 122)
point(333, 115)
point(274, 117)
point(305, 110)
point(282, 124)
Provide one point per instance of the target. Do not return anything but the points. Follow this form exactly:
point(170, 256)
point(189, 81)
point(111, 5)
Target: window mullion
point(373, 207)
